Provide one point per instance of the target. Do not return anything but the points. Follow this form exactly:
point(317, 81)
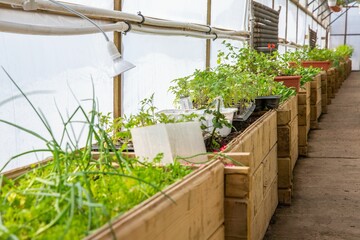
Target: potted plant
point(335, 5)
point(316, 57)
point(344, 51)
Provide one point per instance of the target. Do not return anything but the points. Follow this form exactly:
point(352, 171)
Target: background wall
point(50, 68)
point(345, 30)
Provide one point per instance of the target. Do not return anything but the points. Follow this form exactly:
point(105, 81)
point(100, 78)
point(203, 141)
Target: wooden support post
point(117, 90)
point(208, 41)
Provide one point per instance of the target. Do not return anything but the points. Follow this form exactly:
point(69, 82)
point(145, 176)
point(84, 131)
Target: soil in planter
point(239, 127)
point(129, 148)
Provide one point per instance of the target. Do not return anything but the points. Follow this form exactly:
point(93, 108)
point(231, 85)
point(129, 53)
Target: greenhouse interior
point(178, 120)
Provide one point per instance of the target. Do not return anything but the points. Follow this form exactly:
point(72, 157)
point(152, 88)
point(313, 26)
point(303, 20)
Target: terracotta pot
point(335, 8)
point(292, 64)
point(324, 65)
point(290, 81)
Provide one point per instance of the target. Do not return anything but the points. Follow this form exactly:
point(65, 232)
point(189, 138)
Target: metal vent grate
point(312, 38)
point(265, 27)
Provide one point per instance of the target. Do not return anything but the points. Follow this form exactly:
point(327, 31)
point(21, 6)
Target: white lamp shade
point(121, 66)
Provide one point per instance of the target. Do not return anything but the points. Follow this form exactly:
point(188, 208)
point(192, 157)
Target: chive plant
point(74, 193)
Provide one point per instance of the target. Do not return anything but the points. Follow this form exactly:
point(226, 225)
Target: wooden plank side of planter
point(316, 82)
point(14, 173)
point(257, 139)
point(236, 218)
point(246, 187)
point(337, 79)
point(284, 196)
point(287, 111)
point(246, 193)
point(315, 111)
point(303, 135)
point(285, 173)
point(287, 138)
point(315, 95)
point(333, 82)
point(189, 217)
point(270, 170)
point(286, 166)
point(219, 234)
point(261, 221)
point(330, 76)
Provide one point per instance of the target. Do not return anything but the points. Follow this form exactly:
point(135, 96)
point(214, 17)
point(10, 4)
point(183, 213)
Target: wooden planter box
point(331, 84)
point(323, 92)
point(251, 191)
point(304, 118)
point(315, 101)
point(287, 130)
point(337, 79)
point(196, 213)
point(348, 67)
point(342, 73)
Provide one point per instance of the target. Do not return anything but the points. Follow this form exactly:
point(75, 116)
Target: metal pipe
point(111, 15)
point(322, 12)
point(311, 2)
point(319, 6)
point(20, 28)
point(326, 16)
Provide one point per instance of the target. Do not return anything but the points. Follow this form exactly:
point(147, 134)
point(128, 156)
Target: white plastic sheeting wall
point(282, 17)
point(352, 38)
point(46, 68)
point(172, 57)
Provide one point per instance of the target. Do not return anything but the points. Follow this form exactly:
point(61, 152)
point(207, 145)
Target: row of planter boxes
point(251, 192)
point(218, 201)
point(312, 101)
point(324, 95)
point(287, 130)
point(304, 118)
point(315, 101)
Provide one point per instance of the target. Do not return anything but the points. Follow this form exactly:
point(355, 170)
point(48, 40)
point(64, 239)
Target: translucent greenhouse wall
point(346, 30)
point(49, 69)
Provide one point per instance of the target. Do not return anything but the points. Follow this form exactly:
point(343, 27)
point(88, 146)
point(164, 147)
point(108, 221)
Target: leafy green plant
point(281, 90)
point(75, 193)
point(218, 121)
point(307, 74)
point(119, 128)
point(344, 51)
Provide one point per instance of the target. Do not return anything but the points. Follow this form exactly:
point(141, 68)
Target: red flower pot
point(290, 81)
point(335, 8)
point(324, 65)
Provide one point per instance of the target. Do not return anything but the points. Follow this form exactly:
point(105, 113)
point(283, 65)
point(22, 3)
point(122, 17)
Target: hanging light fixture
point(119, 64)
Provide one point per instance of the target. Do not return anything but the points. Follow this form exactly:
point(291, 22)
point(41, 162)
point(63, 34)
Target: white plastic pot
point(173, 139)
point(331, 3)
point(229, 115)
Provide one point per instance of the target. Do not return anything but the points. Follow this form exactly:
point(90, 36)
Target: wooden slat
point(14, 173)
point(287, 111)
point(117, 89)
point(160, 218)
point(219, 234)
